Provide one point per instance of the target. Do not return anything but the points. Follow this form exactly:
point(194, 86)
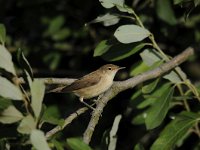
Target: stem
point(197, 129)
point(155, 45)
point(187, 107)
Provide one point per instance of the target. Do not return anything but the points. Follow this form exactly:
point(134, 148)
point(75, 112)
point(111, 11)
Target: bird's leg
point(86, 104)
point(99, 97)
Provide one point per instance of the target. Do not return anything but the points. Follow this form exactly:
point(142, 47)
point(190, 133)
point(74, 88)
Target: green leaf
point(113, 133)
point(175, 130)
point(38, 140)
point(131, 33)
point(101, 48)
point(111, 3)
point(57, 144)
point(121, 51)
point(174, 77)
point(77, 144)
point(138, 68)
point(136, 98)
point(61, 34)
point(24, 63)
point(158, 111)
point(37, 93)
point(177, 1)
point(51, 115)
point(196, 3)
point(4, 103)
point(55, 25)
point(150, 56)
point(9, 90)
point(10, 115)
point(2, 34)
point(150, 87)
point(107, 19)
point(165, 12)
point(52, 59)
point(139, 147)
point(139, 119)
point(157, 94)
point(6, 60)
point(26, 125)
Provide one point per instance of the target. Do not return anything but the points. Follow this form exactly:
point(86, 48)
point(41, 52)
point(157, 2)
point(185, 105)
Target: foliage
point(168, 106)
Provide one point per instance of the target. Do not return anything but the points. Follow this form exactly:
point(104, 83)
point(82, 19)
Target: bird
point(92, 84)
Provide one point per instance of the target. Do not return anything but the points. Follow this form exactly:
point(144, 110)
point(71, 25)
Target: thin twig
point(67, 121)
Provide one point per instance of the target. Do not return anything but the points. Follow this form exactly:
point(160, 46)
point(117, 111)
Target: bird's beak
point(121, 68)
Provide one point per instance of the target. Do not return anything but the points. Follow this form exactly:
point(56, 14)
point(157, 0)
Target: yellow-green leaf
point(37, 94)
point(10, 115)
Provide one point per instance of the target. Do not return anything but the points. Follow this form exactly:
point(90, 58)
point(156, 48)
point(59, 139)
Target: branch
point(118, 87)
point(65, 81)
point(67, 121)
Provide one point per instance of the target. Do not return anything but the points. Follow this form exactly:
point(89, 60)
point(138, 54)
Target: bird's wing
point(83, 82)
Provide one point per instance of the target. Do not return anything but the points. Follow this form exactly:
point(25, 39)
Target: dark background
point(54, 54)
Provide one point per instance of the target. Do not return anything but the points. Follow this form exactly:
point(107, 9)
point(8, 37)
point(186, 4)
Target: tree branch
point(65, 81)
point(118, 87)
point(67, 121)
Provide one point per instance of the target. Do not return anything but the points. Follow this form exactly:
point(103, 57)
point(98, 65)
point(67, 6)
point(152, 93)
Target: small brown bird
point(92, 84)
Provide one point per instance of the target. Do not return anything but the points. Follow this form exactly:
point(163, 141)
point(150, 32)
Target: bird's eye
point(109, 68)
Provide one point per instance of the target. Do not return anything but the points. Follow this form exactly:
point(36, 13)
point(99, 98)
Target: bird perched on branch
point(92, 84)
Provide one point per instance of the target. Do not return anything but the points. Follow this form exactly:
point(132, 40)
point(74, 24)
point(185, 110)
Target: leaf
point(136, 98)
point(77, 144)
point(139, 119)
point(2, 34)
point(175, 130)
point(10, 115)
point(139, 147)
point(157, 94)
point(150, 87)
point(175, 2)
point(37, 93)
point(9, 90)
point(51, 115)
point(174, 77)
point(57, 144)
point(165, 12)
point(26, 125)
point(55, 25)
point(4, 103)
point(142, 67)
point(52, 59)
point(107, 19)
point(6, 60)
point(101, 48)
point(158, 111)
point(38, 140)
point(196, 3)
point(113, 133)
point(131, 33)
point(138, 68)
point(150, 56)
point(111, 3)
point(61, 34)
point(24, 63)
point(121, 51)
